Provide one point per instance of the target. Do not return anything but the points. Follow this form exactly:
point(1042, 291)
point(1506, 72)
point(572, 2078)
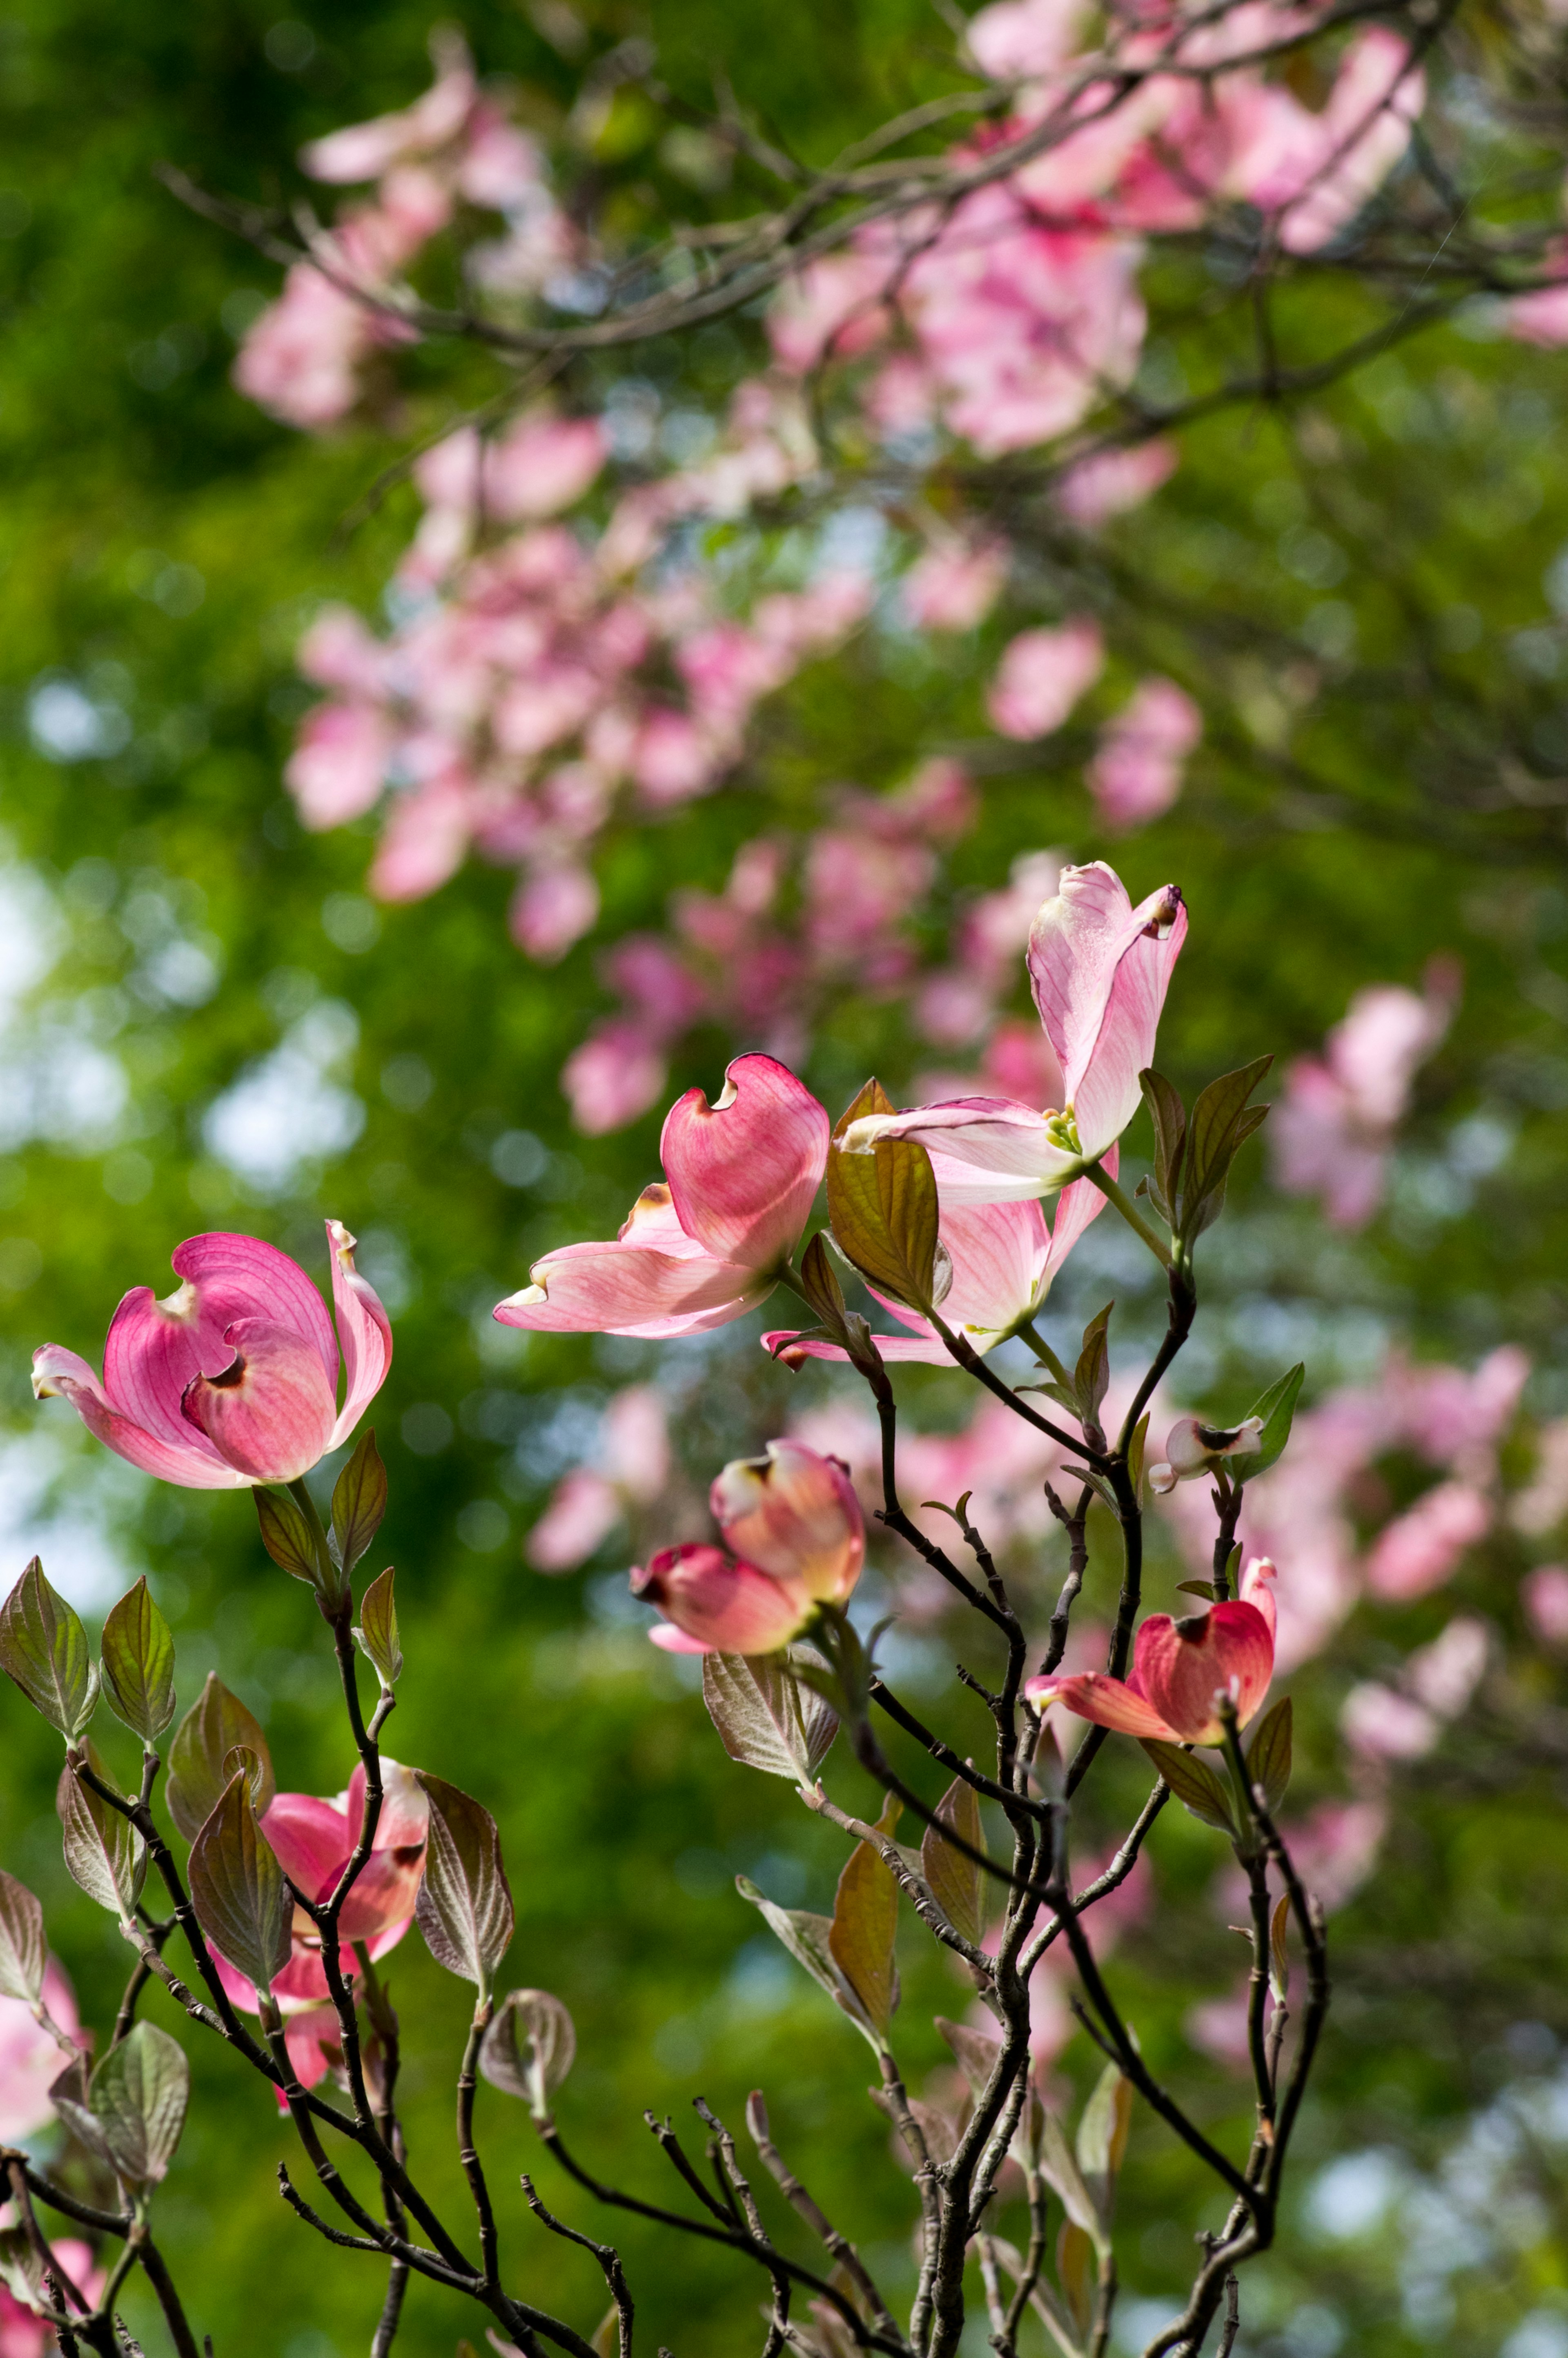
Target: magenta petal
point(193, 1462)
point(1108, 1701)
point(1099, 969)
point(722, 1603)
point(671, 1641)
point(928, 1351)
point(1183, 1666)
point(256, 1280)
point(614, 1289)
point(365, 1329)
point(271, 1412)
point(743, 1173)
point(312, 1840)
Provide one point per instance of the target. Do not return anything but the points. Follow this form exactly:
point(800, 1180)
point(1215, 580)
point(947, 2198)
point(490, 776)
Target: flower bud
point(1193, 1449)
point(796, 1515)
point(712, 1604)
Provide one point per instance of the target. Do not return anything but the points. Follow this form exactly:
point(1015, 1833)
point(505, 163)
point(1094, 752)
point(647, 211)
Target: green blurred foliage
point(161, 548)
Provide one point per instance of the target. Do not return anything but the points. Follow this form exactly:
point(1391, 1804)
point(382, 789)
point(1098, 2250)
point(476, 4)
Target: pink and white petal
point(1257, 1588)
point(151, 1352)
point(246, 1278)
point(1076, 1206)
point(312, 1839)
point(982, 1150)
point(616, 1289)
point(671, 1641)
point(1100, 969)
point(792, 1348)
point(365, 1329)
point(194, 1463)
point(1107, 1700)
point(743, 1173)
point(998, 1253)
point(270, 1413)
point(383, 1893)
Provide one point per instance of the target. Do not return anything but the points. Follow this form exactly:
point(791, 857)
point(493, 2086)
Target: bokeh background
point(206, 1023)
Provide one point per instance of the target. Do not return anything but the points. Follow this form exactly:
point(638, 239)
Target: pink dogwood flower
point(707, 1245)
point(233, 1379)
point(31, 2058)
point(1193, 1449)
point(1042, 675)
point(713, 1603)
point(1003, 1258)
point(587, 1504)
point(1099, 969)
point(314, 1840)
point(1182, 1669)
point(1137, 772)
point(25, 2334)
point(795, 1515)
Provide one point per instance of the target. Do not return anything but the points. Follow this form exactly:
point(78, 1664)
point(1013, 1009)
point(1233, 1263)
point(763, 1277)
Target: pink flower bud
point(795, 1515)
point(720, 1606)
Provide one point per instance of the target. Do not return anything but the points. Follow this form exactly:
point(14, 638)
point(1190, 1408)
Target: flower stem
point(1124, 1204)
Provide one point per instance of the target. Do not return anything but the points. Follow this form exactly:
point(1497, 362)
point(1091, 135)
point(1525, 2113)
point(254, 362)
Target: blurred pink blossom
point(1042, 675)
point(954, 586)
point(1545, 1595)
point(1094, 489)
point(1137, 772)
point(1422, 1548)
point(632, 1467)
point(1332, 1132)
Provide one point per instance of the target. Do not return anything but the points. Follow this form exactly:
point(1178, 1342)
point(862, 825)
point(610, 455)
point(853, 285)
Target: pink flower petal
point(365, 1329)
point(270, 1413)
point(1109, 1701)
point(983, 1149)
point(1182, 1666)
point(312, 1839)
point(795, 1515)
point(1099, 969)
point(193, 1463)
point(743, 1174)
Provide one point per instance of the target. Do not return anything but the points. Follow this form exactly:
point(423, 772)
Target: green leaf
point(1268, 1754)
point(23, 1950)
point(528, 2048)
point(1102, 2138)
point(807, 1937)
point(883, 1207)
point(766, 1717)
point(285, 1535)
point(1277, 1407)
point(823, 1290)
point(137, 2100)
point(237, 1888)
point(138, 1664)
point(974, 2052)
point(1059, 2167)
point(865, 1925)
point(1169, 1117)
point(103, 1852)
point(1279, 1954)
point(1194, 1783)
point(198, 1775)
point(1091, 1379)
point(1136, 1449)
point(359, 1502)
point(1221, 1123)
point(1196, 1588)
point(1075, 2272)
point(44, 1649)
point(465, 1905)
point(955, 1880)
point(377, 1630)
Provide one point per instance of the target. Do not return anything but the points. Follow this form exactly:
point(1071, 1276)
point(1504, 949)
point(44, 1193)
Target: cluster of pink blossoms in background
point(545, 678)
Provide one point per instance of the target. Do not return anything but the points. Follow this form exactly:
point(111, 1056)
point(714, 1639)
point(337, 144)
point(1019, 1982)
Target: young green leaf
point(103, 1852)
point(955, 1879)
point(1268, 1754)
point(23, 1950)
point(1222, 1122)
point(214, 1724)
point(528, 2049)
point(44, 1649)
point(1169, 1117)
point(377, 1630)
point(1136, 1449)
point(1059, 2167)
point(138, 1664)
point(807, 1937)
point(139, 2097)
point(1277, 1408)
point(1278, 1952)
point(1194, 1783)
point(865, 1924)
point(1102, 2138)
point(766, 1717)
point(883, 1206)
point(823, 1290)
point(1076, 2273)
point(1091, 1377)
point(465, 1905)
point(285, 1535)
point(237, 1889)
point(359, 1502)
point(974, 2052)
point(1196, 1588)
